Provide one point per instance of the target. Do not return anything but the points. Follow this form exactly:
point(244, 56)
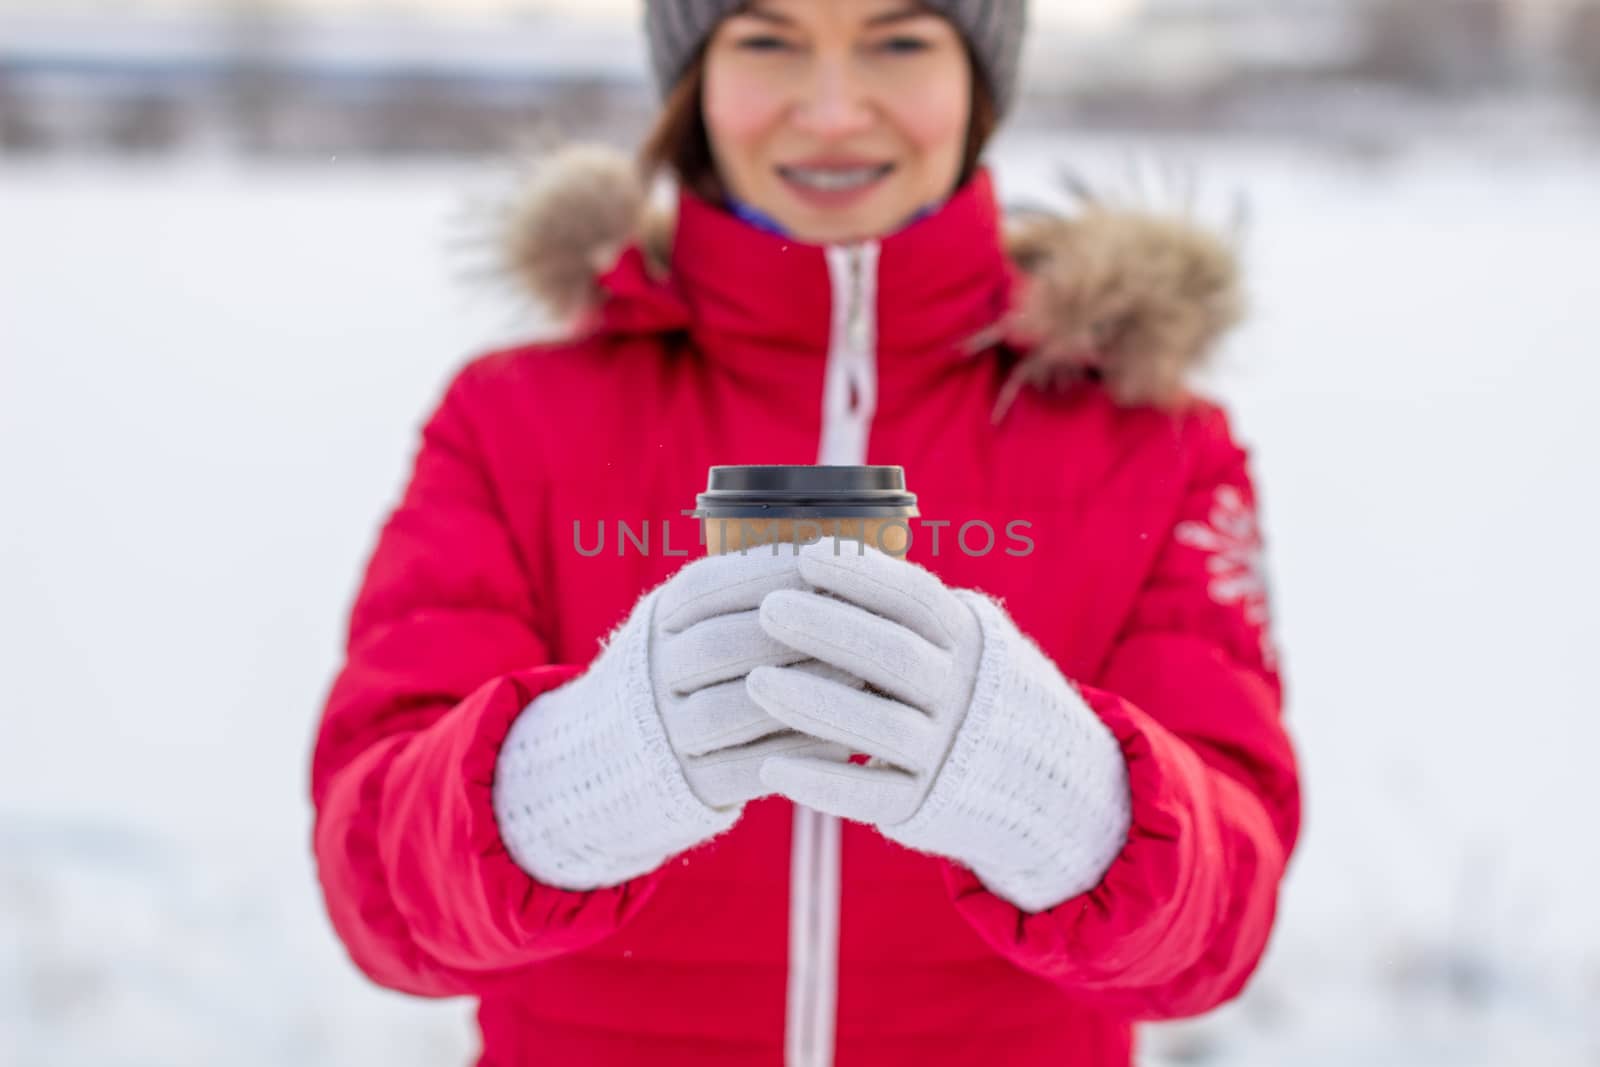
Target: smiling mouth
point(835, 179)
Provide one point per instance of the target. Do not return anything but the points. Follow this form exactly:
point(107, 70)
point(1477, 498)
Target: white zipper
point(849, 398)
point(850, 383)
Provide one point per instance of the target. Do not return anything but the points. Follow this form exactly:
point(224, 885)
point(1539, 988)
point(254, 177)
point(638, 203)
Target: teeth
point(833, 179)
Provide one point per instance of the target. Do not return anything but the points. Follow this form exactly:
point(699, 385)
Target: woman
point(1081, 800)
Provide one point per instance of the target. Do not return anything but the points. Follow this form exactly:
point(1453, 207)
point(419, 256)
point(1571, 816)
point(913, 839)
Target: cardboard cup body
point(892, 536)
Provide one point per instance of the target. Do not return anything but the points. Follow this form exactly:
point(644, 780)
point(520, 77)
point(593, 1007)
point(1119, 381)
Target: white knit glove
point(657, 746)
point(981, 750)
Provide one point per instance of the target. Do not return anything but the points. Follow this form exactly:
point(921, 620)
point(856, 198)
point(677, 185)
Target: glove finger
point(717, 716)
point(723, 584)
point(880, 651)
point(723, 715)
point(716, 650)
point(888, 586)
point(883, 728)
point(818, 669)
point(732, 776)
point(865, 794)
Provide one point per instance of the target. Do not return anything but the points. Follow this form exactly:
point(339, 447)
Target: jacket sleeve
point(1193, 694)
point(444, 651)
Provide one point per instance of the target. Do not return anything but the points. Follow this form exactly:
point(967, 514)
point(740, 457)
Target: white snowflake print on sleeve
point(1236, 560)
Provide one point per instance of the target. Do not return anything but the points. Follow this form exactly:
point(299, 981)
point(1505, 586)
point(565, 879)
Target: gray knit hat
point(993, 28)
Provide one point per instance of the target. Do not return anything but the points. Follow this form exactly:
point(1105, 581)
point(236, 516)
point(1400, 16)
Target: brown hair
point(679, 143)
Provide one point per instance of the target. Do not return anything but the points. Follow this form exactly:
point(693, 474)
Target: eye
point(902, 45)
point(765, 42)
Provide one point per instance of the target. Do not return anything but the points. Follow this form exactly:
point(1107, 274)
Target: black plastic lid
point(805, 492)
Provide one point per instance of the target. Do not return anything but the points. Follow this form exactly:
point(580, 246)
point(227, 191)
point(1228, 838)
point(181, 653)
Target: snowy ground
point(210, 383)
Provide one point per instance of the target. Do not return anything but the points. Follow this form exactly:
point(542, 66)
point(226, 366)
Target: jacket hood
point(1136, 299)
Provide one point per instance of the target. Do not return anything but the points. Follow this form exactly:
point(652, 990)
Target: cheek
point(739, 112)
point(934, 120)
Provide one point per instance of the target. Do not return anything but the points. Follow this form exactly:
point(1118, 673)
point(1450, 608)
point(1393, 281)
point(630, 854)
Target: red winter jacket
point(795, 930)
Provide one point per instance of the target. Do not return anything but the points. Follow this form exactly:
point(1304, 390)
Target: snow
point(211, 377)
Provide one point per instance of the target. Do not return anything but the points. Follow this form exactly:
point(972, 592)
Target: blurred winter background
point(237, 265)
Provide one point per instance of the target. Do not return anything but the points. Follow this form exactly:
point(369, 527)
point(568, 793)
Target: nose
point(833, 101)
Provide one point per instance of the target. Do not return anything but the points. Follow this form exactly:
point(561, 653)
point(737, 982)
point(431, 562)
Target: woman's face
point(838, 118)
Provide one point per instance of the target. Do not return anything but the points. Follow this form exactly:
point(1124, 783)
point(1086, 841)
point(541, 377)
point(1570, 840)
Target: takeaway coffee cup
point(787, 506)
point(775, 503)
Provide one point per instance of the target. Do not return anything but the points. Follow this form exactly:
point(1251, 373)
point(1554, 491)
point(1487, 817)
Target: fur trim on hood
point(1134, 298)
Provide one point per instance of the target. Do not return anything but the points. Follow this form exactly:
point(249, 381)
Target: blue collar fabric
point(759, 219)
point(762, 221)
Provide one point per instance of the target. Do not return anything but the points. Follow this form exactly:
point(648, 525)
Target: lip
point(835, 162)
point(833, 198)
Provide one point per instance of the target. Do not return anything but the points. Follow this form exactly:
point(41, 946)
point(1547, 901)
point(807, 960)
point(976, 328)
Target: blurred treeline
point(250, 77)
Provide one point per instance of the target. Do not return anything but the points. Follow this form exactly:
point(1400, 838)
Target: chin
point(819, 227)
point(814, 224)
point(833, 233)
